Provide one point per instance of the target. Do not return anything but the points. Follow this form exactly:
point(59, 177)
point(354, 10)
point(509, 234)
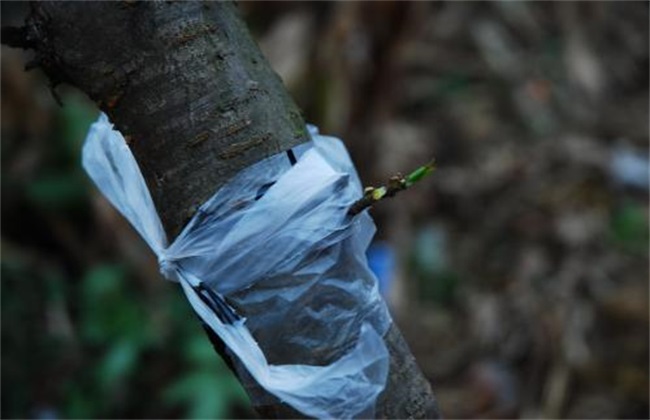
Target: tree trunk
point(190, 91)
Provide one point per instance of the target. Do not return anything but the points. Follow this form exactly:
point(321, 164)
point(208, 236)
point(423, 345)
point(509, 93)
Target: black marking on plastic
point(217, 303)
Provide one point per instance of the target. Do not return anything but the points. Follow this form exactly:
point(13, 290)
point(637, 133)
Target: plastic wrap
point(273, 257)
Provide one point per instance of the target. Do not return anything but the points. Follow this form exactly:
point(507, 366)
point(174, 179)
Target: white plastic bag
point(273, 255)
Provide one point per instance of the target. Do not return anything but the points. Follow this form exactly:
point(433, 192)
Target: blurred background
point(518, 271)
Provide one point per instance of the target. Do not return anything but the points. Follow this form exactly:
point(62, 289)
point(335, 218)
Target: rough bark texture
point(196, 101)
point(184, 82)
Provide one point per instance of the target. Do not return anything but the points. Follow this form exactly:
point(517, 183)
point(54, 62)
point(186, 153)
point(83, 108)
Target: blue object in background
point(381, 259)
point(630, 167)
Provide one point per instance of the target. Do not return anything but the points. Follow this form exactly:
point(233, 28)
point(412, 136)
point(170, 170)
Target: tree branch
point(395, 184)
point(189, 89)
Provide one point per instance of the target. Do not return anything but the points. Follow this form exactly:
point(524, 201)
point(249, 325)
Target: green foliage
point(102, 361)
point(629, 228)
point(57, 191)
point(436, 282)
point(73, 121)
point(61, 185)
point(419, 173)
point(441, 288)
point(119, 361)
point(208, 389)
point(451, 84)
point(79, 403)
point(109, 311)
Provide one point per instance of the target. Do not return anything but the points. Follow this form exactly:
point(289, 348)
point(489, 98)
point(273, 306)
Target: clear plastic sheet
point(273, 256)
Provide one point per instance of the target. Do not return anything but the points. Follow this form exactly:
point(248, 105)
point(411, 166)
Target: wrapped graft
point(275, 265)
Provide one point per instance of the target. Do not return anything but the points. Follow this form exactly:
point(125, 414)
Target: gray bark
point(196, 100)
point(184, 83)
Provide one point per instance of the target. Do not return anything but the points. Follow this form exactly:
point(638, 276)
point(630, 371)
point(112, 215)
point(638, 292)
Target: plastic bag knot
point(168, 268)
